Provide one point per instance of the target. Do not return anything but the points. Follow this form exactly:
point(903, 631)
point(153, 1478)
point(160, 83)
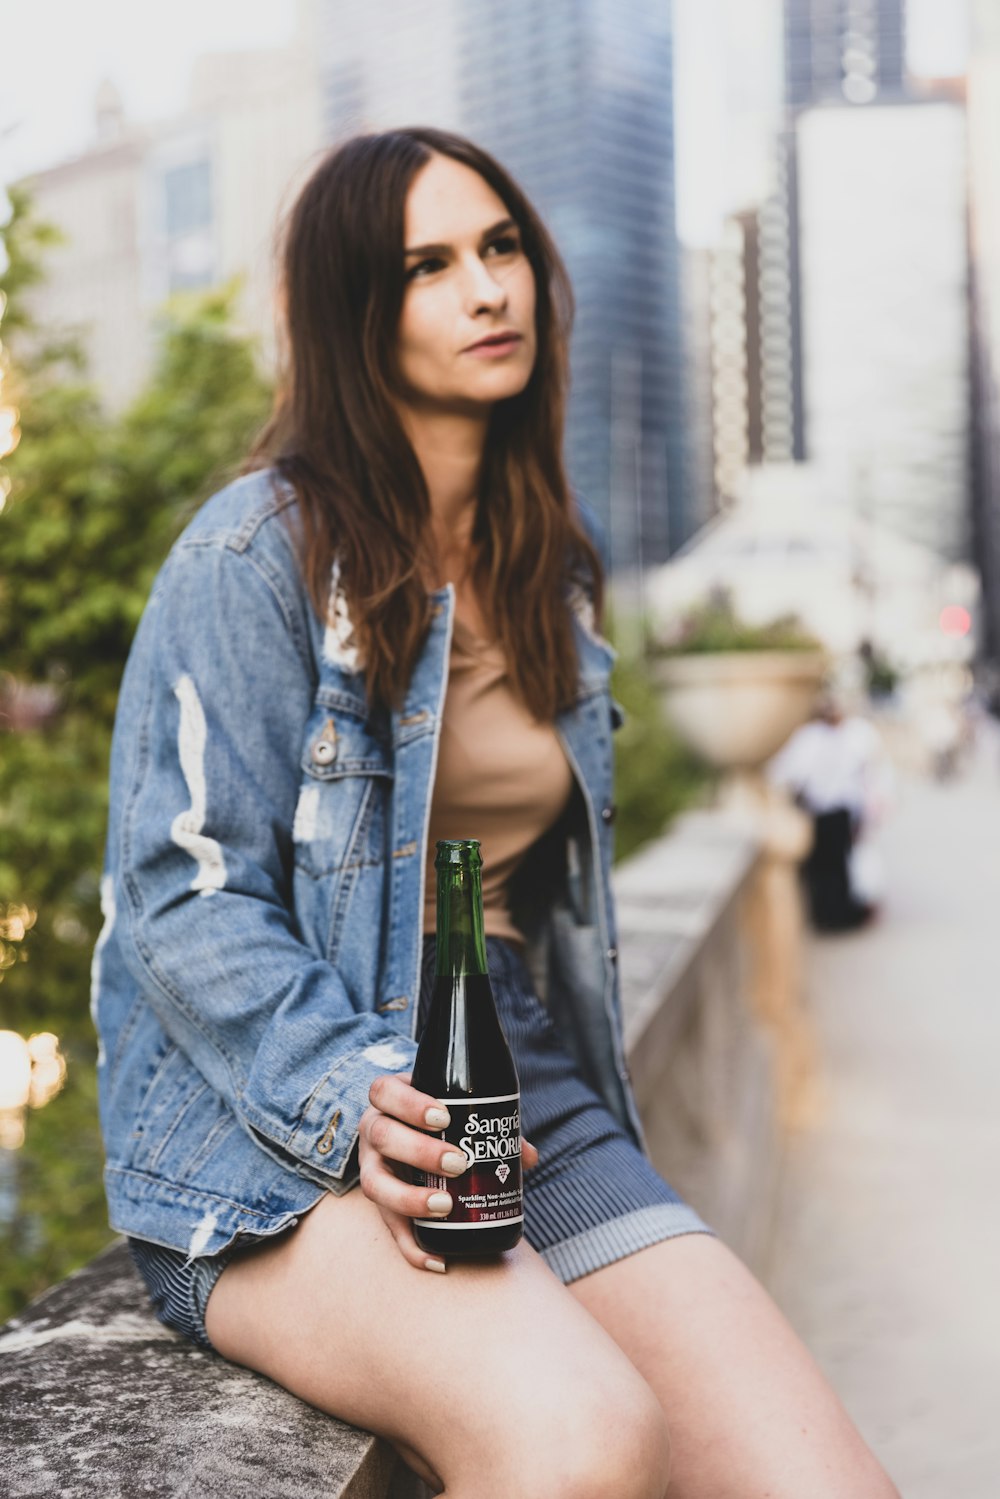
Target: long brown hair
point(336, 437)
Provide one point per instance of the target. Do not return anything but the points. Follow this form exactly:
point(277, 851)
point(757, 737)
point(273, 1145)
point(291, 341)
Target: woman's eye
point(419, 267)
point(506, 244)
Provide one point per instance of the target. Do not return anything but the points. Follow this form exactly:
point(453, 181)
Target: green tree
point(94, 504)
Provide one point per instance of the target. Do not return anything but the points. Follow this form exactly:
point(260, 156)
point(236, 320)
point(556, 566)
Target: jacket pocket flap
point(337, 744)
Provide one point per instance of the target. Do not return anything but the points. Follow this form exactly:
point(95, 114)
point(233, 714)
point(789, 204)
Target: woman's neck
point(449, 449)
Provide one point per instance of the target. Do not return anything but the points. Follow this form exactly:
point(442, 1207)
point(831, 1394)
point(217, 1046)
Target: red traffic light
point(954, 620)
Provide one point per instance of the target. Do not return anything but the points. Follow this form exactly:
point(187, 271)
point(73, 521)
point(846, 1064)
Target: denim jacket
point(259, 962)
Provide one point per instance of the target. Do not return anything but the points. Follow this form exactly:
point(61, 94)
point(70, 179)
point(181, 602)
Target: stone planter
point(737, 708)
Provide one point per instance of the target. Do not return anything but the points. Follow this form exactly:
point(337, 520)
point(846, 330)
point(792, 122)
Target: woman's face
point(467, 278)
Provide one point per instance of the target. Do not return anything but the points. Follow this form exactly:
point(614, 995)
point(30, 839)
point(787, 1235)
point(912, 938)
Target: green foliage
point(714, 626)
point(94, 504)
point(61, 1220)
point(656, 776)
point(27, 239)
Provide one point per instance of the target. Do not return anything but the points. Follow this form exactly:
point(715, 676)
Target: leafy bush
point(656, 776)
point(714, 626)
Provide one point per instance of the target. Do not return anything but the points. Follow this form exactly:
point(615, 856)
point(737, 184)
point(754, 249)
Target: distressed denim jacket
point(259, 962)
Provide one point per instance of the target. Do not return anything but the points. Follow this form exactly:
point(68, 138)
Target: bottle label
point(488, 1132)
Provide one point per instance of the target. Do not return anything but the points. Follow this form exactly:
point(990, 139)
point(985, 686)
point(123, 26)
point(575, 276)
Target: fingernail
point(439, 1202)
point(454, 1162)
point(437, 1119)
point(437, 1265)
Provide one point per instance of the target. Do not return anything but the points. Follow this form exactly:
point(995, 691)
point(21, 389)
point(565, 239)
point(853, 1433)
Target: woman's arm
point(205, 783)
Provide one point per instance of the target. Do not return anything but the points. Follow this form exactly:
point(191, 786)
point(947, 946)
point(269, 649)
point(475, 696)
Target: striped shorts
point(592, 1199)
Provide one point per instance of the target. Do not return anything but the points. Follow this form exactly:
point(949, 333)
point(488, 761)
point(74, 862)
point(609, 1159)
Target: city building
point(94, 277)
point(697, 311)
point(984, 189)
point(187, 203)
point(837, 50)
point(731, 93)
point(884, 306)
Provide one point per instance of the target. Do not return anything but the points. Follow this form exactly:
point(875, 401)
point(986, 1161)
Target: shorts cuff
point(620, 1237)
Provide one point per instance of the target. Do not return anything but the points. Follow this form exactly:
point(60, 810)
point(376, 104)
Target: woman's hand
point(392, 1133)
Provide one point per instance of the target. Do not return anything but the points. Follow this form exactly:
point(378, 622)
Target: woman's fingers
point(391, 1094)
point(410, 1147)
point(529, 1155)
point(394, 1195)
point(402, 1231)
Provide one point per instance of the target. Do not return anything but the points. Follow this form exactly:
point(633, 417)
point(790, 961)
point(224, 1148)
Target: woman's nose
point(483, 289)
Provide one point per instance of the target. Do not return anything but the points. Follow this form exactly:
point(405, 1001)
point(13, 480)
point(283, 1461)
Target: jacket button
point(325, 1144)
point(608, 814)
point(613, 954)
point(323, 752)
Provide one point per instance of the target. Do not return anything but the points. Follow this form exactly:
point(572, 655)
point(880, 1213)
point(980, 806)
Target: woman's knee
point(616, 1444)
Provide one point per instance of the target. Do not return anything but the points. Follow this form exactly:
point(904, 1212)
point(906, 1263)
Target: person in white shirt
point(836, 770)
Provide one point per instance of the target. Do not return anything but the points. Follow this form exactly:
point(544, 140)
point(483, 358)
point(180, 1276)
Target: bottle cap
point(463, 851)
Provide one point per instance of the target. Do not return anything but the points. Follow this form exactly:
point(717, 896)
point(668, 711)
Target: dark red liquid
point(463, 1053)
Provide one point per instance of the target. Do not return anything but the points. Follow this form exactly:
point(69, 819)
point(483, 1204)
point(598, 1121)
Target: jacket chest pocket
point(343, 796)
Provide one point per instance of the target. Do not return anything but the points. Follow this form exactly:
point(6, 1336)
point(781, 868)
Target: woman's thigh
point(750, 1412)
point(492, 1375)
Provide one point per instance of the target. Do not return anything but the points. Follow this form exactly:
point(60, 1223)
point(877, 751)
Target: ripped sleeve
point(205, 783)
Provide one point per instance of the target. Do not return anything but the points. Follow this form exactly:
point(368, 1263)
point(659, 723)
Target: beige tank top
point(502, 776)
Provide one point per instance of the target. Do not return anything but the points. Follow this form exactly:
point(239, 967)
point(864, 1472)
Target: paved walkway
point(887, 1252)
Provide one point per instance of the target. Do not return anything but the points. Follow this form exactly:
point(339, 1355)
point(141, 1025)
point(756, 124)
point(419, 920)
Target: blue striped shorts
point(592, 1199)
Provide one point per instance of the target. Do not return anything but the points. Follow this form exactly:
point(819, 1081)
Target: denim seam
point(180, 1190)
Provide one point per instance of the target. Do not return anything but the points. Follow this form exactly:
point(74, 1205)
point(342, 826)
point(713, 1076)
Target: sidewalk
point(887, 1250)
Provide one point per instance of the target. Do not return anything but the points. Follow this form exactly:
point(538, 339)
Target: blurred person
point(942, 726)
point(835, 768)
point(384, 632)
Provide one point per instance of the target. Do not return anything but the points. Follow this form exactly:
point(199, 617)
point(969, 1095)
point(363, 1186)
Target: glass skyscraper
point(844, 49)
point(575, 97)
point(837, 52)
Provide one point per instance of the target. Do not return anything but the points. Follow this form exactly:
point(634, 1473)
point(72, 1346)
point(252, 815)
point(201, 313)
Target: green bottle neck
point(461, 938)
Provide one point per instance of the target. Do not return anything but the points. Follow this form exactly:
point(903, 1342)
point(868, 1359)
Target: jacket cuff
point(322, 1144)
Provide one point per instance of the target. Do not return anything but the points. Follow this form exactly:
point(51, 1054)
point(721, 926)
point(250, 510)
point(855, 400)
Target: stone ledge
point(703, 1067)
point(101, 1401)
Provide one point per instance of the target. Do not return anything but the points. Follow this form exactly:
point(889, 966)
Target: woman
point(381, 635)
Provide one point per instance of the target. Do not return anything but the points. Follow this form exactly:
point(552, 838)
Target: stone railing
point(99, 1398)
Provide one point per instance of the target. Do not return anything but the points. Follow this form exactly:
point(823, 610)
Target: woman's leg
point(490, 1376)
point(750, 1412)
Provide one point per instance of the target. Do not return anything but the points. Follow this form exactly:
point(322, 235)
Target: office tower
point(836, 50)
point(984, 188)
point(751, 343)
point(696, 303)
point(884, 302)
point(732, 319)
point(575, 98)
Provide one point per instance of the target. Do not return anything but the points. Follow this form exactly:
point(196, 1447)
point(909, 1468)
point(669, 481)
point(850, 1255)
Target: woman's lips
point(494, 350)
